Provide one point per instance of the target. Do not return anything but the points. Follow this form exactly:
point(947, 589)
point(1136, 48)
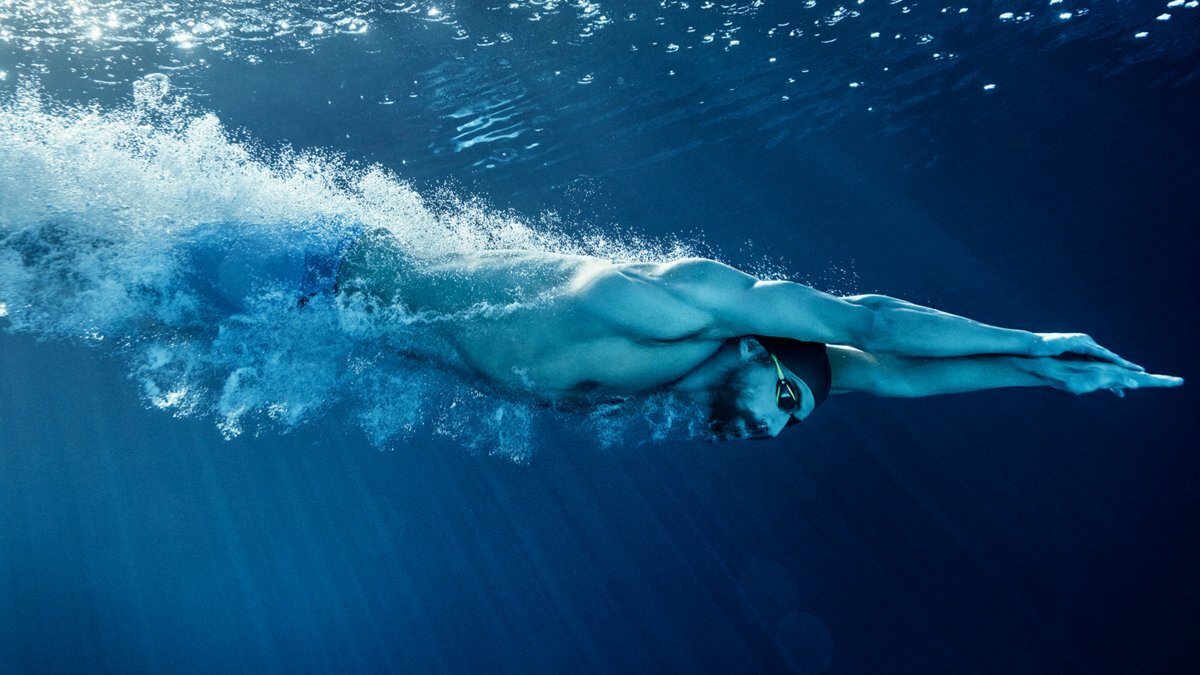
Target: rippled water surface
point(491, 84)
point(188, 489)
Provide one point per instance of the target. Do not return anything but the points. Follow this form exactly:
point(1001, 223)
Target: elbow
point(871, 329)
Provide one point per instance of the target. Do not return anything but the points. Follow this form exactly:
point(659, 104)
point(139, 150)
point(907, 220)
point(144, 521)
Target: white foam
point(96, 206)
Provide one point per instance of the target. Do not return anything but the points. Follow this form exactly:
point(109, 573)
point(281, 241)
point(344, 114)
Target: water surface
point(1026, 163)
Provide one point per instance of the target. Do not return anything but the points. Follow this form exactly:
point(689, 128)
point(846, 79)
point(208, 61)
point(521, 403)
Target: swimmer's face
point(744, 405)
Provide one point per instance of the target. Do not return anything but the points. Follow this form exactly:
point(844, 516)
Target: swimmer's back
point(543, 322)
point(638, 300)
point(378, 266)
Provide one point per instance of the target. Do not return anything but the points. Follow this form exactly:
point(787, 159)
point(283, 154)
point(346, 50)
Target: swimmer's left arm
point(879, 324)
point(902, 376)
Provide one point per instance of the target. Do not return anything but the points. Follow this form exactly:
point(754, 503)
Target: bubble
point(505, 154)
point(151, 88)
point(100, 215)
point(353, 25)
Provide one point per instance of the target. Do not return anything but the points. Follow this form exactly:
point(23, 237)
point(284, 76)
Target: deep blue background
point(1010, 531)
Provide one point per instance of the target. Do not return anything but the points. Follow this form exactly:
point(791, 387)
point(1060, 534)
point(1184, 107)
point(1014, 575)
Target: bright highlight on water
point(563, 260)
point(264, 289)
point(103, 205)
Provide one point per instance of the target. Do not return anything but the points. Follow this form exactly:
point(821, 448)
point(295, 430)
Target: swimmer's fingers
point(1117, 380)
point(1143, 380)
point(1083, 377)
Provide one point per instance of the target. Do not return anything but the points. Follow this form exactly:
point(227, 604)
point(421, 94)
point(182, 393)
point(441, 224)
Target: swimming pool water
point(178, 493)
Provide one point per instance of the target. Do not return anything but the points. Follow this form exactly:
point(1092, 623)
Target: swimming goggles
point(786, 395)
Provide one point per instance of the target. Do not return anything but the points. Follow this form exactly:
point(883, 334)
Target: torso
point(550, 326)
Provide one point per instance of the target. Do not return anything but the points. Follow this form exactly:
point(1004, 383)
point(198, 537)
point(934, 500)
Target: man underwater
point(571, 331)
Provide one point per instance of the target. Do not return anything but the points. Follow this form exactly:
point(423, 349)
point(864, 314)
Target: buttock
point(228, 264)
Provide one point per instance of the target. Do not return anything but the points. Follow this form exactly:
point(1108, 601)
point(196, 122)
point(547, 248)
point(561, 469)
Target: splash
point(100, 208)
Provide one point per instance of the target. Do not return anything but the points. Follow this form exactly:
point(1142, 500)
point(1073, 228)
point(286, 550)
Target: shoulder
point(685, 276)
point(651, 299)
point(687, 272)
point(691, 280)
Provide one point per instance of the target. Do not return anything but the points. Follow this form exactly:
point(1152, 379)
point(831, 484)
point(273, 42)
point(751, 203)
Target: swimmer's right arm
point(903, 376)
point(878, 324)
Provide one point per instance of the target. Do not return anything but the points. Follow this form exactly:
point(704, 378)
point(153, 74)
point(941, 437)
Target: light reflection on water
point(531, 82)
point(539, 71)
point(153, 33)
point(494, 86)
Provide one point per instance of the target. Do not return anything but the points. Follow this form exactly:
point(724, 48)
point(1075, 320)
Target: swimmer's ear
point(749, 348)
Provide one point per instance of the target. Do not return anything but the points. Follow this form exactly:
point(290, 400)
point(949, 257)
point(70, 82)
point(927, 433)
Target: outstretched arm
point(878, 324)
point(890, 375)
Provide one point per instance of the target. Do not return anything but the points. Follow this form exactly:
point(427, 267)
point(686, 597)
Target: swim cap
point(806, 360)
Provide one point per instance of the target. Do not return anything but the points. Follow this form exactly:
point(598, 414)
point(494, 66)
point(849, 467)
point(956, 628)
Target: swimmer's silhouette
point(759, 355)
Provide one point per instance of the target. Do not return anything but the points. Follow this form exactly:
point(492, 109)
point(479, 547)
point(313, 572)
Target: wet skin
point(569, 329)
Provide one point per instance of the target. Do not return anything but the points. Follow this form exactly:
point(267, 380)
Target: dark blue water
point(1007, 531)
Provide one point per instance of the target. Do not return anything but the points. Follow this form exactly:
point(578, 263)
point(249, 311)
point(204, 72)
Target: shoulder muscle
point(634, 297)
point(743, 304)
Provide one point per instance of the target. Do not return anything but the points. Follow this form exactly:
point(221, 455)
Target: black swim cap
point(807, 360)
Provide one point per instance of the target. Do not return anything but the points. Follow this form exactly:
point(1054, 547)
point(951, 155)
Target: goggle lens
point(786, 397)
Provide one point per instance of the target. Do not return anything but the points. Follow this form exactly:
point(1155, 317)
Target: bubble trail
point(100, 208)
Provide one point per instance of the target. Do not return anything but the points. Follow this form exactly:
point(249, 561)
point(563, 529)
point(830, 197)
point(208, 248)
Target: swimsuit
point(229, 263)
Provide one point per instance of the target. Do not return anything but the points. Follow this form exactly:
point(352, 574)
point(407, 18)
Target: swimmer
point(570, 330)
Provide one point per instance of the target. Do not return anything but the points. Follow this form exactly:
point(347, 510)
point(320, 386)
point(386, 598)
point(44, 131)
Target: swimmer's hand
point(1086, 376)
point(1078, 345)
